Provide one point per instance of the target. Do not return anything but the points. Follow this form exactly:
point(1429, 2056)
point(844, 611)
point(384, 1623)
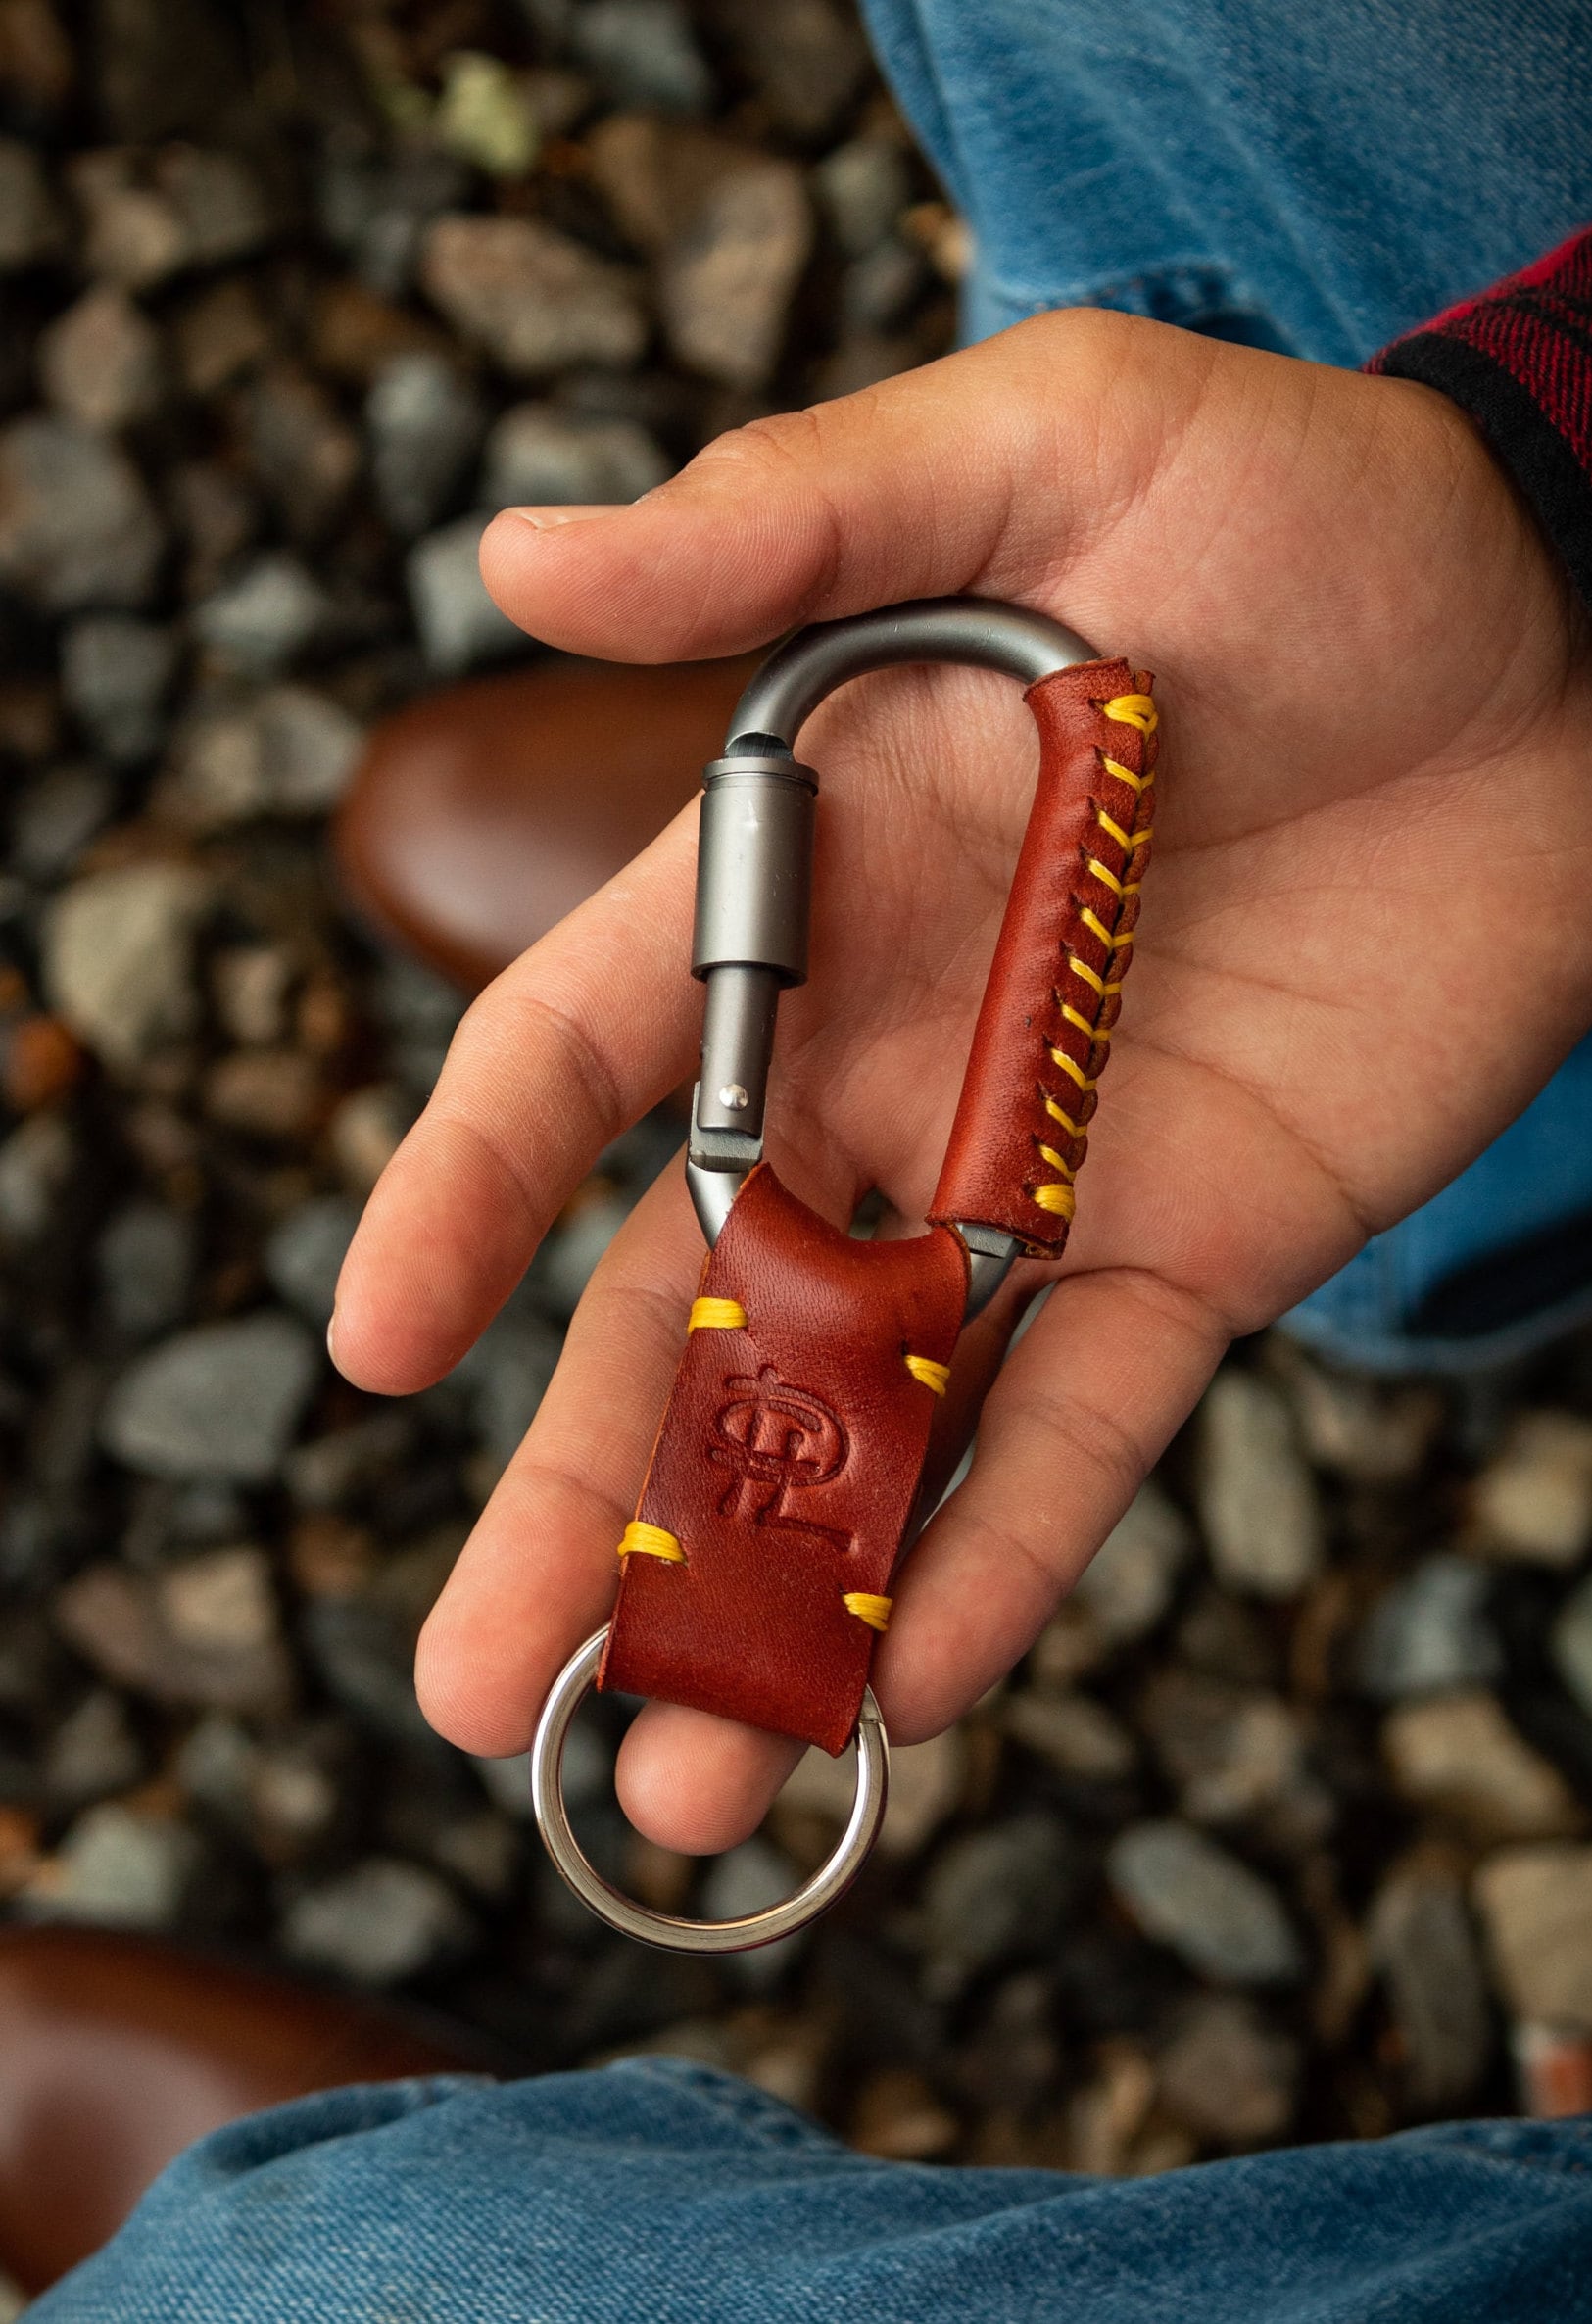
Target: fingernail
point(548, 520)
point(331, 1338)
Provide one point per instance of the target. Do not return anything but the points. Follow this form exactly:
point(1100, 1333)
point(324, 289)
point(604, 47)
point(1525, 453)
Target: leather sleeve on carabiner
point(1045, 1024)
point(756, 1574)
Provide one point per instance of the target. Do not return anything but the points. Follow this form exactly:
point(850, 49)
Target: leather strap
point(789, 1456)
point(1041, 1039)
point(786, 1468)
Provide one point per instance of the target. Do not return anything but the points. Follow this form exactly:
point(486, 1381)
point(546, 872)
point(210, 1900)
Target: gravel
point(222, 1400)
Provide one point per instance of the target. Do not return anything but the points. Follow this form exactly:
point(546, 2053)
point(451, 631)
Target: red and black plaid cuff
point(1519, 359)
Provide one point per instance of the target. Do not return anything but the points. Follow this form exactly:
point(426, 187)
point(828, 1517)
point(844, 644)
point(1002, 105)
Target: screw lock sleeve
point(754, 868)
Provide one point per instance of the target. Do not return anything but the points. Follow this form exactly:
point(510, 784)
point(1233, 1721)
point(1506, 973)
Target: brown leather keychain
point(756, 1574)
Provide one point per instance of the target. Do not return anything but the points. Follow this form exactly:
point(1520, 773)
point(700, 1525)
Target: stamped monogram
point(778, 1440)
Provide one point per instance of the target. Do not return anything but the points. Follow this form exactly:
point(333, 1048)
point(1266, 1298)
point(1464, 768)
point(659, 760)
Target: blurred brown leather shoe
point(480, 815)
point(115, 2053)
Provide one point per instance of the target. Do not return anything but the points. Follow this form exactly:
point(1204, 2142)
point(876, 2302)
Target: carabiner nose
point(754, 863)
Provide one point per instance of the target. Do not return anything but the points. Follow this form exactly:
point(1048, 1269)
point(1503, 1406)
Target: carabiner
point(754, 869)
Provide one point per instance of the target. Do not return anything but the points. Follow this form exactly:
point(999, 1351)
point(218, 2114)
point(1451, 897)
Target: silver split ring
point(667, 1930)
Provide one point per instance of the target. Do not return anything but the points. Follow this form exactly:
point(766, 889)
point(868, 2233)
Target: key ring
point(787, 1469)
point(667, 1930)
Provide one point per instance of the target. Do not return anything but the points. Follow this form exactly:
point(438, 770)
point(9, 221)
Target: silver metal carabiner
point(754, 868)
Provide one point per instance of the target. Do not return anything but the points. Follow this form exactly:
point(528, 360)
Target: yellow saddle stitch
point(874, 1610)
point(1072, 1128)
point(1076, 1073)
point(716, 1315)
point(1050, 1155)
point(932, 1376)
point(1142, 838)
point(1132, 709)
point(1126, 774)
point(1081, 969)
point(1108, 879)
point(650, 1541)
point(1113, 829)
point(1097, 927)
point(1058, 1199)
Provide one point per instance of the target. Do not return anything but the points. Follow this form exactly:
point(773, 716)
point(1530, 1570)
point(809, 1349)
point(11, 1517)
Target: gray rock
point(1215, 1912)
point(57, 816)
point(121, 1868)
point(1532, 1502)
point(1229, 2073)
point(747, 1879)
point(642, 52)
point(862, 189)
point(221, 1400)
point(115, 672)
point(32, 227)
point(1073, 1735)
point(725, 286)
point(38, 1164)
point(301, 449)
point(76, 526)
point(807, 57)
point(204, 1631)
point(1570, 1642)
point(1423, 1942)
point(1536, 1909)
point(458, 623)
point(117, 958)
point(380, 1923)
point(927, 1782)
point(1429, 1633)
point(304, 1253)
point(146, 1261)
point(289, 750)
point(1374, 1431)
point(150, 215)
point(376, 206)
point(268, 615)
point(994, 1893)
point(425, 423)
point(535, 299)
point(1459, 1758)
point(568, 1259)
point(92, 1752)
point(100, 362)
point(508, 1372)
point(1236, 1755)
point(1127, 1584)
point(877, 290)
point(1256, 1499)
point(334, 1470)
point(539, 457)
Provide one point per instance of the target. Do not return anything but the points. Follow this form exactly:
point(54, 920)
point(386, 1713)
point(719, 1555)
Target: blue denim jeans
point(1312, 178)
point(665, 2192)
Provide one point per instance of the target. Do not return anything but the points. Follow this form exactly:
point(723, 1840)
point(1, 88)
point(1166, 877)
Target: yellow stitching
point(1061, 1058)
point(1108, 991)
point(1120, 944)
point(1132, 709)
point(1126, 774)
point(875, 1612)
point(1072, 1128)
point(1108, 879)
point(650, 1541)
point(1142, 838)
point(1114, 828)
point(1050, 1155)
point(1082, 968)
point(932, 1376)
point(716, 1315)
point(1059, 1200)
point(1097, 927)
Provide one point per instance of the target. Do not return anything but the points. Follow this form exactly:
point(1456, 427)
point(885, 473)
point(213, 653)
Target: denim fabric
point(663, 2192)
point(1313, 179)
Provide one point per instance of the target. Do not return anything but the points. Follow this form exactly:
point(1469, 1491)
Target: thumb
point(982, 471)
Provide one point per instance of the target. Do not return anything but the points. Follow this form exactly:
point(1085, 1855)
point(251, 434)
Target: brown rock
point(204, 1632)
point(274, 1094)
point(1459, 1758)
point(1229, 2073)
point(899, 2116)
point(32, 227)
point(1536, 1907)
point(1532, 1502)
point(41, 1063)
point(222, 333)
point(534, 299)
point(35, 55)
point(101, 362)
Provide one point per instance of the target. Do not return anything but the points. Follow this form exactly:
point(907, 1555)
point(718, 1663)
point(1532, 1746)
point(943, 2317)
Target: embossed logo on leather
point(779, 1439)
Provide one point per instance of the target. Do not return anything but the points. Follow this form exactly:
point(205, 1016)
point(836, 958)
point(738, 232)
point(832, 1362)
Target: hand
point(1365, 947)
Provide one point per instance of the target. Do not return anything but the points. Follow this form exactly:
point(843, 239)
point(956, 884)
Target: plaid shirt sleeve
point(1519, 359)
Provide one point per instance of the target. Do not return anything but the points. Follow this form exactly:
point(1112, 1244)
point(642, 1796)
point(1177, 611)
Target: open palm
point(1363, 947)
